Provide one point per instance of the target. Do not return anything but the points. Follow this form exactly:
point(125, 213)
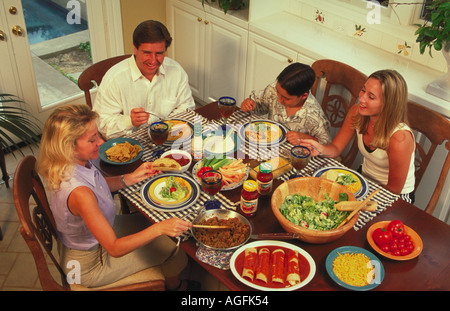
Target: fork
point(154, 115)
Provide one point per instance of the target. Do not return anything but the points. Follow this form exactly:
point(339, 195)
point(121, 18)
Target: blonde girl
point(384, 137)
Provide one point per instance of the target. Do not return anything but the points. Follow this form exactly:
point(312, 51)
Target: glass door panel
point(59, 42)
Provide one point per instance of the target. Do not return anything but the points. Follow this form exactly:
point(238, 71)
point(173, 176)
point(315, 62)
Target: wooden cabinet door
point(225, 59)
point(186, 25)
point(265, 62)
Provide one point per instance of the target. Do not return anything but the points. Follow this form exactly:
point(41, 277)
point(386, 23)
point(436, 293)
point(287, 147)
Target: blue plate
point(209, 137)
point(167, 207)
point(379, 269)
point(361, 193)
point(111, 143)
point(277, 140)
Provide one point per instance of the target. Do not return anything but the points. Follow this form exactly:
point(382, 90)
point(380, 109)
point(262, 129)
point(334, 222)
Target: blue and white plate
point(149, 198)
point(111, 143)
point(378, 267)
point(361, 191)
point(274, 135)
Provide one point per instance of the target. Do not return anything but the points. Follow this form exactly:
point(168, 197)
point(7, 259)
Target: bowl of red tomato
point(182, 157)
point(394, 240)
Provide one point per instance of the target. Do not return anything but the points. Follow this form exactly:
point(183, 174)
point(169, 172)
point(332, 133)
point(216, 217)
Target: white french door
point(17, 74)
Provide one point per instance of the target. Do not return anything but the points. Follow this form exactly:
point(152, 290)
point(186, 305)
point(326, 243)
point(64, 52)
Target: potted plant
point(16, 122)
point(228, 4)
point(437, 36)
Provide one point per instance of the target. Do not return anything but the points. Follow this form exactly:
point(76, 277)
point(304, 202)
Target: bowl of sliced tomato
point(394, 240)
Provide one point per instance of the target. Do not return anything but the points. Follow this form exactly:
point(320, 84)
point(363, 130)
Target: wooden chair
point(95, 73)
point(436, 128)
point(39, 231)
point(337, 88)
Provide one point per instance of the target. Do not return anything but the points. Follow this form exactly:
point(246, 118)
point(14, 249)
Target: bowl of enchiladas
point(306, 206)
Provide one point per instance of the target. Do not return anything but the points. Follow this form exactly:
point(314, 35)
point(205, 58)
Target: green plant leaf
point(16, 122)
point(437, 45)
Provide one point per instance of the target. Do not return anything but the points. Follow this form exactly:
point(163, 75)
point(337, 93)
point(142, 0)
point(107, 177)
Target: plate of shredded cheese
point(354, 268)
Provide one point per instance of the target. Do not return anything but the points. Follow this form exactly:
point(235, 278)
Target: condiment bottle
point(197, 141)
point(249, 198)
point(265, 179)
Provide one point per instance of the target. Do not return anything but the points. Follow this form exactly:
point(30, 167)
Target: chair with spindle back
point(337, 88)
point(431, 125)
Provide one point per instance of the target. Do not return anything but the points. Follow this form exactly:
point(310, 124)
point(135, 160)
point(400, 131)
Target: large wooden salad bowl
point(316, 188)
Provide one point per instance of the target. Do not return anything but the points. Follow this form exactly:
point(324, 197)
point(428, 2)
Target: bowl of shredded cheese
point(354, 268)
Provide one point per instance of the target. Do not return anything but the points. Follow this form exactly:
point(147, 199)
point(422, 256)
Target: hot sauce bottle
point(265, 179)
point(249, 198)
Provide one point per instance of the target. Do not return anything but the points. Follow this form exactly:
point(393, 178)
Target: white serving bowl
point(184, 168)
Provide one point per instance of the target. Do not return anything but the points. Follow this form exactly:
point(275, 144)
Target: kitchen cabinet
point(212, 50)
point(266, 59)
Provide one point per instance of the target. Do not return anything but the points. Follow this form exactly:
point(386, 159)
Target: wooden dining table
point(428, 271)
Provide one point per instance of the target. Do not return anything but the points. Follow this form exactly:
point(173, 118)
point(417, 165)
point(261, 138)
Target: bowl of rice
point(305, 206)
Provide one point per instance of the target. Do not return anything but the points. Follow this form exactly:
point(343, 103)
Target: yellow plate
point(179, 129)
point(272, 132)
point(354, 187)
point(155, 188)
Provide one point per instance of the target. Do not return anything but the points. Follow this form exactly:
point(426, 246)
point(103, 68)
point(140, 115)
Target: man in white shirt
point(148, 81)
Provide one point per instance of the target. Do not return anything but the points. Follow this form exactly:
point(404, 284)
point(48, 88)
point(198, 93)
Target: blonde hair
point(394, 110)
point(56, 157)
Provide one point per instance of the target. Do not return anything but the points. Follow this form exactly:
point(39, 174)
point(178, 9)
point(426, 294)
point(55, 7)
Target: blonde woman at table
point(108, 247)
point(288, 101)
point(384, 137)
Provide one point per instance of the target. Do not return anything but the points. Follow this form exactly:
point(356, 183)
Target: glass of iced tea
point(300, 156)
point(212, 183)
point(159, 131)
point(227, 106)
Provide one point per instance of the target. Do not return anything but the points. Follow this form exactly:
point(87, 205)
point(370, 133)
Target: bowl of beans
point(237, 233)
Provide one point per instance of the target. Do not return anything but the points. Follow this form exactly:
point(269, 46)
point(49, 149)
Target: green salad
point(346, 179)
point(173, 190)
point(305, 212)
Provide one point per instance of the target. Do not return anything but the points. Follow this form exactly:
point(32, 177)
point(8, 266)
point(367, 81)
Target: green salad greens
point(173, 190)
point(346, 179)
point(304, 211)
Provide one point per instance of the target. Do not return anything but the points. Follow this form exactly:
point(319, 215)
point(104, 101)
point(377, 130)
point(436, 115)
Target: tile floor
point(17, 267)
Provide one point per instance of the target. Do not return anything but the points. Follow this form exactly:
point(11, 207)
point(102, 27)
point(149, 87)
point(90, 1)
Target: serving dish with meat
point(237, 234)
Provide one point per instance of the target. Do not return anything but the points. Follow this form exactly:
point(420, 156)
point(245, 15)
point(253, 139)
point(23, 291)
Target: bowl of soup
point(182, 157)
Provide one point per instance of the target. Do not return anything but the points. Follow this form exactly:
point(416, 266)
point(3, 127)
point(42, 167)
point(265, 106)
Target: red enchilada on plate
point(272, 265)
